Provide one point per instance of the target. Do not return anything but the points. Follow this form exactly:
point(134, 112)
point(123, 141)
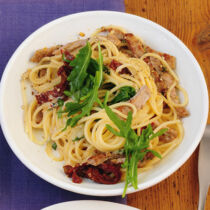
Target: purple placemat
point(20, 189)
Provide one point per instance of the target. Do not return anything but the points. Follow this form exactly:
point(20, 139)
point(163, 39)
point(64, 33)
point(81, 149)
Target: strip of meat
point(141, 97)
point(55, 50)
point(114, 31)
point(102, 157)
point(71, 46)
point(167, 79)
point(181, 111)
point(168, 136)
point(119, 34)
point(155, 64)
point(138, 49)
point(113, 39)
point(148, 156)
point(45, 52)
point(124, 109)
point(142, 163)
point(164, 80)
point(98, 158)
point(171, 60)
point(134, 45)
point(114, 35)
point(138, 100)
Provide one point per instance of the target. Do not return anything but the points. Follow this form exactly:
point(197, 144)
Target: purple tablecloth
point(19, 187)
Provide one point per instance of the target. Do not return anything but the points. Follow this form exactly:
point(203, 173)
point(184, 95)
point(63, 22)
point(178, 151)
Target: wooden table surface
point(190, 21)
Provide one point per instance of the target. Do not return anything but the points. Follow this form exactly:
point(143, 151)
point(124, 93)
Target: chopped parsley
point(54, 146)
point(124, 94)
point(163, 69)
point(78, 138)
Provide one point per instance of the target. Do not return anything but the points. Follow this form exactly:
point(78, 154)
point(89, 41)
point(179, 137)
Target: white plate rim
point(93, 203)
point(101, 192)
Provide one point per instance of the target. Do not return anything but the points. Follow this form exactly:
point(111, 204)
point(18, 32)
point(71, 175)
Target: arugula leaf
point(88, 85)
point(115, 119)
point(113, 130)
point(88, 93)
point(125, 93)
point(71, 108)
point(106, 97)
point(93, 93)
point(79, 72)
point(93, 67)
point(68, 122)
point(135, 147)
point(60, 103)
point(81, 78)
point(154, 153)
point(159, 133)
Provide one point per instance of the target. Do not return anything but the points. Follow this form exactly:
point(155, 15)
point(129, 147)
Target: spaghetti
point(129, 63)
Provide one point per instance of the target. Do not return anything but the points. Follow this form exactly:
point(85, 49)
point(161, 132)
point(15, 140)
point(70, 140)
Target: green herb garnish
point(125, 93)
point(54, 146)
point(79, 72)
point(106, 70)
point(163, 69)
point(94, 92)
point(89, 76)
point(81, 79)
point(60, 103)
point(92, 67)
point(135, 148)
point(78, 138)
point(65, 59)
point(123, 41)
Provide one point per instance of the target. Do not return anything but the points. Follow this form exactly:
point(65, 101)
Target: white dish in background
point(89, 205)
point(66, 29)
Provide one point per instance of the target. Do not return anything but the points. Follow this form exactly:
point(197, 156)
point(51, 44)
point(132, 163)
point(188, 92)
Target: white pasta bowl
point(66, 29)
